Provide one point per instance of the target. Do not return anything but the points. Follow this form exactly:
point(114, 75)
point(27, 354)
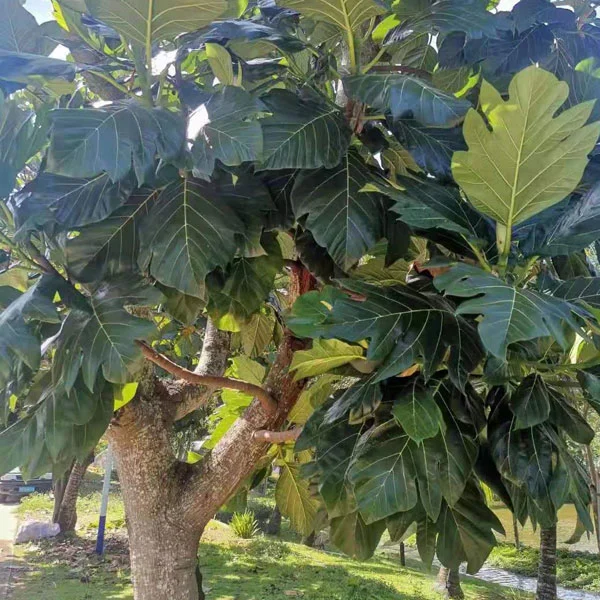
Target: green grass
point(233, 569)
point(580, 570)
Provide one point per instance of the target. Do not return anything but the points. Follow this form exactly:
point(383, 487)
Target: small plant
point(244, 525)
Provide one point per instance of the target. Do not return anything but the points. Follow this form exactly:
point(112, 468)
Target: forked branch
point(269, 405)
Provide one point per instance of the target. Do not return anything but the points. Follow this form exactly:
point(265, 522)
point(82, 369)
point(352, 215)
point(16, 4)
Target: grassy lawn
point(233, 569)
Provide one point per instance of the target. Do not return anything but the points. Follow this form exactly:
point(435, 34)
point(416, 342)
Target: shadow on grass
point(268, 570)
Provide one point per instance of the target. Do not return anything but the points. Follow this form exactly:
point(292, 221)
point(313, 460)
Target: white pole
point(108, 462)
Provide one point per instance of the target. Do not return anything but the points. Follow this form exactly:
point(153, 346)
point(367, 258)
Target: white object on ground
point(30, 531)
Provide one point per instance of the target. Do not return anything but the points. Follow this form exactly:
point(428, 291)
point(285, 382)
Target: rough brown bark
point(67, 513)
point(168, 503)
point(448, 583)
point(546, 586)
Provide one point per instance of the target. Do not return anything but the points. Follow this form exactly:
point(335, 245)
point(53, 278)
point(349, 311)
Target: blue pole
point(104, 504)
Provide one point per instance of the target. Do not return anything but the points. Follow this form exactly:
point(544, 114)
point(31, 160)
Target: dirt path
point(8, 525)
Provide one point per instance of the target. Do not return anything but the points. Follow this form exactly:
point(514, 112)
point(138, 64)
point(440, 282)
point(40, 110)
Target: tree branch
point(269, 405)
point(277, 437)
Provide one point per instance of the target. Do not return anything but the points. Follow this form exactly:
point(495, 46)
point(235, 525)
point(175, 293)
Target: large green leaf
point(384, 476)
point(73, 202)
point(423, 204)
point(466, 531)
point(325, 355)
point(85, 142)
point(585, 290)
point(246, 285)
point(110, 247)
point(17, 442)
point(529, 160)
point(189, 231)
point(509, 314)
point(403, 325)
point(102, 336)
point(22, 134)
point(407, 96)
point(257, 334)
point(346, 14)
point(447, 16)
point(530, 402)
point(341, 217)
point(354, 537)
point(356, 403)
point(417, 412)
point(148, 21)
point(17, 70)
point(229, 131)
point(302, 134)
point(19, 340)
point(18, 29)
point(294, 499)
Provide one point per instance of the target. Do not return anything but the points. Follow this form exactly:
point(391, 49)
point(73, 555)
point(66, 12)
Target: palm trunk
point(546, 587)
point(67, 513)
point(60, 485)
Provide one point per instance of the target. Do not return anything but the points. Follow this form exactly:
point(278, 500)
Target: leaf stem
point(479, 255)
point(375, 60)
point(503, 241)
point(113, 82)
point(22, 256)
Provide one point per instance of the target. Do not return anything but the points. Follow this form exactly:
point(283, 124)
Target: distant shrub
point(244, 525)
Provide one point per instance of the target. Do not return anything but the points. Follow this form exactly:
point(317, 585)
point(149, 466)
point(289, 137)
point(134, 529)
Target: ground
point(233, 569)
point(260, 569)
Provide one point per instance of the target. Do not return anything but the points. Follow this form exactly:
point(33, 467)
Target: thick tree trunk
point(274, 524)
point(67, 513)
point(546, 586)
point(448, 583)
point(169, 503)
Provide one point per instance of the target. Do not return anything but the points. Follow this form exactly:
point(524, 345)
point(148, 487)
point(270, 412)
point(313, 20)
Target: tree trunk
point(516, 533)
point(309, 540)
point(402, 554)
point(546, 587)
point(448, 583)
point(59, 491)
point(274, 524)
point(594, 490)
point(67, 513)
point(168, 503)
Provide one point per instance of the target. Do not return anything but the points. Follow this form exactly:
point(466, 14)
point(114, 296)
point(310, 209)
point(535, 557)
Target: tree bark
point(402, 554)
point(546, 587)
point(594, 490)
point(274, 524)
point(59, 491)
point(168, 503)
point(448, 583)
point(67, 513)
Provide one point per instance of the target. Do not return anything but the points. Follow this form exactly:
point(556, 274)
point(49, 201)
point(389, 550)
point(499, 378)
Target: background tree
point(360, 222)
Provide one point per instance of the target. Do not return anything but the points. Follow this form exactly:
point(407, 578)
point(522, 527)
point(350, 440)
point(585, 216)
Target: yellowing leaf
point(324, 356)
point(124, 394)
point(530, 160)
point(294, 499)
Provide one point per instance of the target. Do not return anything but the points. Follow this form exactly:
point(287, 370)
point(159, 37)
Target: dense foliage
point(432, 163)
